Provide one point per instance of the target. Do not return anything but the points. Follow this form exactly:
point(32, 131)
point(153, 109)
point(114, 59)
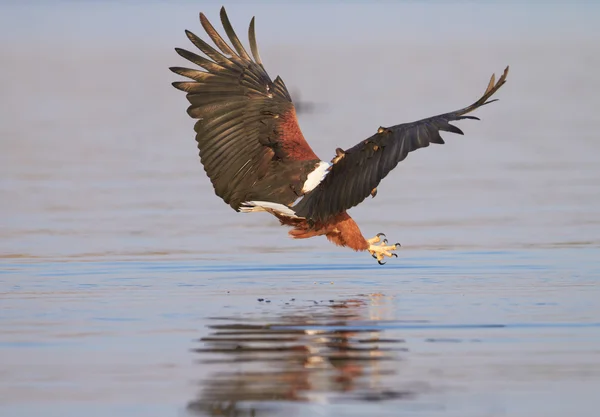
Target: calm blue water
point(442, 333)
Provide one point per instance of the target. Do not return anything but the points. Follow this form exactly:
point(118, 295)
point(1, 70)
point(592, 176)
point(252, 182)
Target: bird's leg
point(382, 250)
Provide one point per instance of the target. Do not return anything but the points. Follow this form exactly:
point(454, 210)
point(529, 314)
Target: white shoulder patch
point(316, 176)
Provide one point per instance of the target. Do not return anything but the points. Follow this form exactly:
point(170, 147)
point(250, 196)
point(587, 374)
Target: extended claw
point(376, 239)
point(379, 249)
point(398, 245)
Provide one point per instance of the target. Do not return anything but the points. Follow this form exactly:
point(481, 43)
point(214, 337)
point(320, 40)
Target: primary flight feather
point(257, 159)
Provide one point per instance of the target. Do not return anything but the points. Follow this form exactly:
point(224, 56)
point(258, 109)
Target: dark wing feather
point(248, 136)
point(253, 45)
point(357, 171)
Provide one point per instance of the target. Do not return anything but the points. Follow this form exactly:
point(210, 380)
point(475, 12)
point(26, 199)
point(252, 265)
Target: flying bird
point(257, 159)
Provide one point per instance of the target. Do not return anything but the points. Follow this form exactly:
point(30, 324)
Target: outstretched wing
point(357, 171)
point(248, 136)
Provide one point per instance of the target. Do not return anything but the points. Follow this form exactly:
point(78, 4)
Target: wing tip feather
point(491, 84)
point(190, 35)
point(178, 85)
point(453, 129)
point(253, 43)
point(233, 38)
point(203, 18)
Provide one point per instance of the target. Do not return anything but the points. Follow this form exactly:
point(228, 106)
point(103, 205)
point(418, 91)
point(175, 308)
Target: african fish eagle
point(257, 159)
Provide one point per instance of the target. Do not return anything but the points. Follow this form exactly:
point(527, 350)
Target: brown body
point(341, 230)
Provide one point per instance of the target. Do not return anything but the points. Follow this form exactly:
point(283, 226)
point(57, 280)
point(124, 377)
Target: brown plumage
point(257, 158)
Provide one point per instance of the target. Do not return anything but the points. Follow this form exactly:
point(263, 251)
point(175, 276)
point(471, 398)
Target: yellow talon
point(382, 250)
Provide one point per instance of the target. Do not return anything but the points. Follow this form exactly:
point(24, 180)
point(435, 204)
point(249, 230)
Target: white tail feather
point(256, 206)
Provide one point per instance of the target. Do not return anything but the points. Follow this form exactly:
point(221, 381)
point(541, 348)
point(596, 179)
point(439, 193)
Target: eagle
point(257, 159)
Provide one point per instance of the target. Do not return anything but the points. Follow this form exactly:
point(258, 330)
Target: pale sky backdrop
point(299, 22)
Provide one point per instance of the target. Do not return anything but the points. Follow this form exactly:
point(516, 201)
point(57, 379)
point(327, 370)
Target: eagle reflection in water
point(327, 353)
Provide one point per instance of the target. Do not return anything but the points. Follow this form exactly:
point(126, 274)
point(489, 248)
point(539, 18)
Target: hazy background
point(96, 142)
point(116, 256)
